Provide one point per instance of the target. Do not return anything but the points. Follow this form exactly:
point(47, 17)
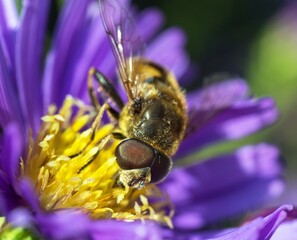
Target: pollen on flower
point(72, 165)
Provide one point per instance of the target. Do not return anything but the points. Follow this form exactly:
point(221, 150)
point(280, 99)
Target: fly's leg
point(100, 147)
point(94, 127)
point(107, 88)
point(98, 108)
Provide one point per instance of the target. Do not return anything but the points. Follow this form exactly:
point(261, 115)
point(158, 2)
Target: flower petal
point(270, 227)
point(80, 45)
point(287, 230)
point(9, 106)
point(8, 26)
point(9, 200)
point(29, 53)
point(126, 230)
point(61, 225)
point(64, 224)
point(168, 50)
point(28, 193)
point(11, 147)
point(231, 116)
point(90, 50)
point(224, 186)
point(21, 217)
point(149, 22)
point(260, 228)
point(68, 45)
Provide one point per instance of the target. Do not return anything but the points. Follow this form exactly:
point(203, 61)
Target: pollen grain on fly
point(70, 171)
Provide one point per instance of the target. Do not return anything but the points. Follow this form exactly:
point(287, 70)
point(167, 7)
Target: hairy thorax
point(161, 119)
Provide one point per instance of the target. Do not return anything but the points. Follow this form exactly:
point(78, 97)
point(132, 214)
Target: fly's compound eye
point(135, 154)
point(161, 167)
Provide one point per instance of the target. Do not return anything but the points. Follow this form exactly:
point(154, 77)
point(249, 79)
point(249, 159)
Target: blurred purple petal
point(111, 229)
point(203, 108)
point(12, 146)
point(215, 189)
point(21, 217)
point(29, 53)
point(9, 106)
point(64, 50)
point(72, 224)
point(260, 228)
point(287, 231)
point(168, 50)
point(8, 24)
point(91, 44)
point(95, 45)
point(218, 95)
point(64, 224)
point(149, 22)
point(240, 119)
point(9, 200)
point(27, 191)
point(11, 149)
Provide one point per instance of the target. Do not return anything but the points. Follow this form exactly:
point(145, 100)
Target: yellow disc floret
point(71, 163)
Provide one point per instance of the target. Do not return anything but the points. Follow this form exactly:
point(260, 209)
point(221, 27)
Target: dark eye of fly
point(160, 167)
point(134, 154)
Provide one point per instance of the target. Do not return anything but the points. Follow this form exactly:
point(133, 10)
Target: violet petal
point(11, 151)
point(9, 106)
point(208, 125)
point(89, 50)
point(203, 108)
point(168, 50)
point(149, 22)
point(260, 228)
point(11, 145)
point(27, 191)
point(64, 224)
point(9, 200)
point(64, 50)
point(287, 231)
point(8, 24)
point(29, 53)
point(112, 229)
point(206, 192)
point(21, 217)
point(60, 225)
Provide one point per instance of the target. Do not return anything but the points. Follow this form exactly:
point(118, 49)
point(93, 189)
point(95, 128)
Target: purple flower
point(32, 173)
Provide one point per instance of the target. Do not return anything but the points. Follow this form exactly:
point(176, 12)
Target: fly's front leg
point(107, 88)
point(91, 89)
point(95, 125)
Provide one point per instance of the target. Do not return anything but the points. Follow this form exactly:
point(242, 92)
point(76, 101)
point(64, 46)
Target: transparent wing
point(220, 92)
point(126, 43)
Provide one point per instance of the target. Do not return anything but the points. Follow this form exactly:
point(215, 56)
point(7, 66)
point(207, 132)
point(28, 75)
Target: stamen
point(72, 165)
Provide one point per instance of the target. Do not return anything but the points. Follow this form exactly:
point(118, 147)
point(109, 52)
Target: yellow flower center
point(72, 165)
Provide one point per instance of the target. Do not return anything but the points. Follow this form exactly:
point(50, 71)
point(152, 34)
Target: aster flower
point(58, 197)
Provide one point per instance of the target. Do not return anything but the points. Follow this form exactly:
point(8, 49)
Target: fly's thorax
point(160, 118)
point(161, 123)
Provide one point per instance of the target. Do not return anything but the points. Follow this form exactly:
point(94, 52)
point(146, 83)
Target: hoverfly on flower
point(152, 123)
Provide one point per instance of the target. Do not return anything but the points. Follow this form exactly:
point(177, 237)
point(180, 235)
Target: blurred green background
point(255, 39)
